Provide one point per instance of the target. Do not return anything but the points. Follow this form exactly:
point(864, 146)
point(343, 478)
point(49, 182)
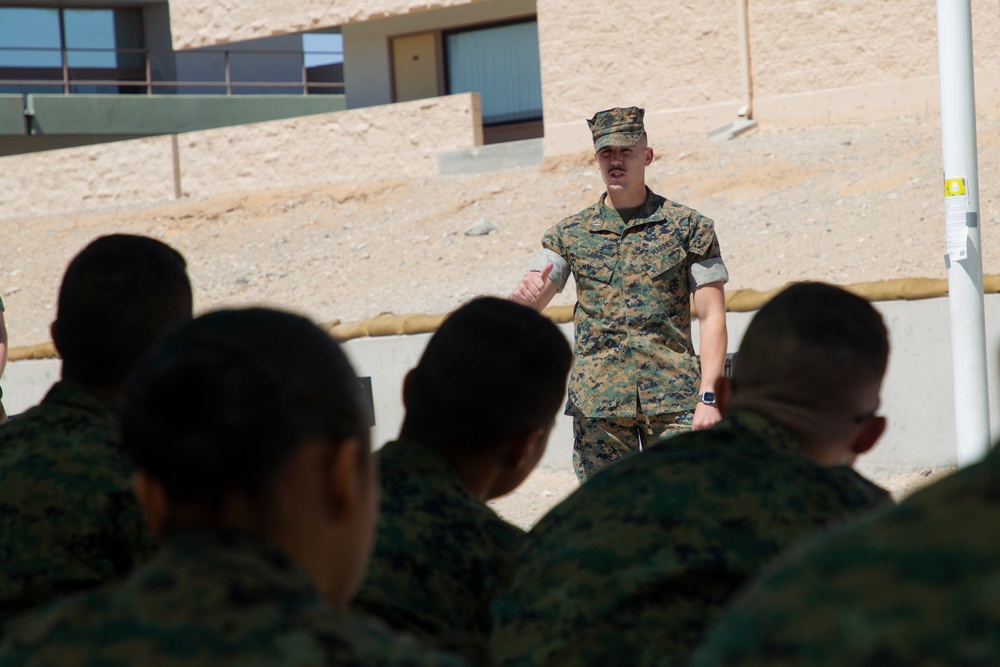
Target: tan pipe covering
point(737, 301)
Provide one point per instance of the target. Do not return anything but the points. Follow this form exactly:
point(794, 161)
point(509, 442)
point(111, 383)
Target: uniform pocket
point(663, 262)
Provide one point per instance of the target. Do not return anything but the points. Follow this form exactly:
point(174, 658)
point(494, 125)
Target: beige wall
point(812, 61)
point(375, 143)
point(384, 142)
point(196, 23)
point(89, 177)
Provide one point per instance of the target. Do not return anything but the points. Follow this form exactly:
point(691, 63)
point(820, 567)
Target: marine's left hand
point(705, 416)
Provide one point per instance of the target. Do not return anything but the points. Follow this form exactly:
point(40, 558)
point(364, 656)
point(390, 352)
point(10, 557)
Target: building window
point(501, 63)
point(92, 44)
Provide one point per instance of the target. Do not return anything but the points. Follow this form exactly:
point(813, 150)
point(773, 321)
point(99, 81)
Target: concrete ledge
point(917, 396)
point(144, 115)
point(12, 115)
point(510, 155)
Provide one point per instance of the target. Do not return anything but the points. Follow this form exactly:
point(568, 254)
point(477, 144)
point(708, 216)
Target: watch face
point(707, 397)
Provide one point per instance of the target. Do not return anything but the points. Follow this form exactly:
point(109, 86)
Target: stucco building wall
point(197, 23)
point(812, 61)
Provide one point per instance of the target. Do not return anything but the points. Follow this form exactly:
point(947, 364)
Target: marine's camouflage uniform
point(635, 566)
point(440, 555)
point(916, 585)
point(68, 520)
point(632, 318)
point(210, 599)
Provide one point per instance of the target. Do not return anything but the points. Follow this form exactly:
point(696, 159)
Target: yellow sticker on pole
point(956, 218)
point(954, 187)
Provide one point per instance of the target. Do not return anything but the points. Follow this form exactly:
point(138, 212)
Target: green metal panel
point(145, 115)
point(12, 115)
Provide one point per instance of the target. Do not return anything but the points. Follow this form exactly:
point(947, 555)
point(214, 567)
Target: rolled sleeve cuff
point(708, 271)
point(560, 269)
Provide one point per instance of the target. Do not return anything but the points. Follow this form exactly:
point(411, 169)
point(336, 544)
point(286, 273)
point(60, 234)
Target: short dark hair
point(813, 344)
point(118, 297)
point(231, 395)
point(493, 370)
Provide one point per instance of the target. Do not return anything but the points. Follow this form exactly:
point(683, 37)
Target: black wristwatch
point(707, 397)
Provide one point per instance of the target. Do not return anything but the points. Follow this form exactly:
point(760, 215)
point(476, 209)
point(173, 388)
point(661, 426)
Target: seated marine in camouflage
point(916, 585)
point(68, 520)
point(635, 566)
point(251, 442)
point(479, 408)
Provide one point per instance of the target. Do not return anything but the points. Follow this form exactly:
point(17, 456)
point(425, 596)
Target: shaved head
point(814, 348)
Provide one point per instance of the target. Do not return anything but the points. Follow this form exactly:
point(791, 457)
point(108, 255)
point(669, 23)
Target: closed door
point(415, 67)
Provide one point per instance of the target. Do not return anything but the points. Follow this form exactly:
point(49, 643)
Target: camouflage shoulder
point(871, 494)
point(376, 644)
point(582, 218)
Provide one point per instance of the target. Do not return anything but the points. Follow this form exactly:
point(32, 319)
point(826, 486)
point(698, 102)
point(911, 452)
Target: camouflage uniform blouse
point(440, 556)
point(917, 585)
point(633, 313)
point(68, 520)
point(635, 566)
point(207, 599)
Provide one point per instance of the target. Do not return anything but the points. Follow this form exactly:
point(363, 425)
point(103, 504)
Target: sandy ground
point(840, 203)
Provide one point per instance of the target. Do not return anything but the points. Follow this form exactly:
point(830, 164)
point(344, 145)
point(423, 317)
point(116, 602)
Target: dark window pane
point(29, 37)
point(502, 65)
point(90, 37)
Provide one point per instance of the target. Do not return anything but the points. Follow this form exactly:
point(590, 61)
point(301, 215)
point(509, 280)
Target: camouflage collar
point(237, 557)
point(77, 395)
point(606, 218)
point(424, 461)
point(764, 428)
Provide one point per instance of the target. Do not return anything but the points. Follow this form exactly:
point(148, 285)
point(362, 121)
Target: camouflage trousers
point(600, 441)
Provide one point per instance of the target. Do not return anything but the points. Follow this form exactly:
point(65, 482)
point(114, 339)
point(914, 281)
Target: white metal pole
point(964, 254)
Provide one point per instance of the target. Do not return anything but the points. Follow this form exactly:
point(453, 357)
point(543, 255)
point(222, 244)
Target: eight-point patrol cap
point(617, 127)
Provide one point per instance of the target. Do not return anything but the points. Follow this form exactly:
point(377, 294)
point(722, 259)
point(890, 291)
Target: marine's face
point(624, 169)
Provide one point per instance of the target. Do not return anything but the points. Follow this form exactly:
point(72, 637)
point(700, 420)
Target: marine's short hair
point(493, 370)
point(231, 395)
point(118, 296)
point(813, 345)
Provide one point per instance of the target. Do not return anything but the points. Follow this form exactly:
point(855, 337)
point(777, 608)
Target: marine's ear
point(869, 435)
point(407, 381)
point(152, 498)
point(344, 487)
point(723, 393)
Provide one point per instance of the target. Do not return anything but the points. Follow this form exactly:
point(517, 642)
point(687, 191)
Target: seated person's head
point(253, 421)
point(118, 297)
point(815, 356)
point(487, 389)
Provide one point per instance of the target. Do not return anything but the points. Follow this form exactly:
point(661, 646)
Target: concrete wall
point(197, 23)
point(375, 143)
point(367, 67)
point(386, 142)
point(917, 396)
point(87, 177)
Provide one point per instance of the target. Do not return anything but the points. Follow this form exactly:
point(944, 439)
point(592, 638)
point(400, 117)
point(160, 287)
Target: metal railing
point(156, 70)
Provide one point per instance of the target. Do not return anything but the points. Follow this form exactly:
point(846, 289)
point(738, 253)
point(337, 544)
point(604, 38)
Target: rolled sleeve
point(560, 268)
point(707, 271)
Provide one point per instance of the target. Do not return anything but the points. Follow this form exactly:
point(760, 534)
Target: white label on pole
point(956, 205)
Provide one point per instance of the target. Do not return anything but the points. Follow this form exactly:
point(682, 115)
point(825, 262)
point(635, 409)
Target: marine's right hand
point(531, 287)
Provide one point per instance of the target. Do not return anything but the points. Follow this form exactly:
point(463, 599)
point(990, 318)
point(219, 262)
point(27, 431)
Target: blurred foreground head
point(253, 420)
point(491, 379)
point(119, 295)
point(814, 358)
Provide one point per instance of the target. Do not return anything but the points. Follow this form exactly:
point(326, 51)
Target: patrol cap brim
point(618, 140)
